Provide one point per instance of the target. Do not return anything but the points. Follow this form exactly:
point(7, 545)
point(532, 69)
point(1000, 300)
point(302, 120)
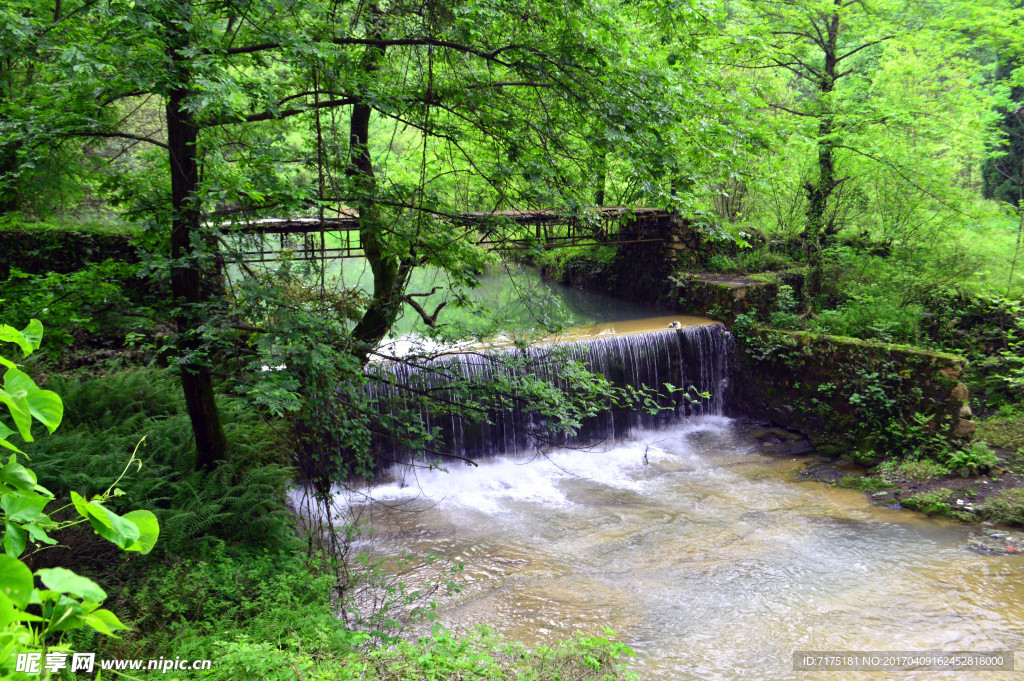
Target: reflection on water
point(703, 555)
point(509, 297)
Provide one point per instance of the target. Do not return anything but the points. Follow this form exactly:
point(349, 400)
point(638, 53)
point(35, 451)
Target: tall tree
point(823, 43)
point(494, 90)
point(1003, 175)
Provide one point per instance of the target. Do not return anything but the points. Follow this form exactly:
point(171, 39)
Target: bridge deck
point(338, 237)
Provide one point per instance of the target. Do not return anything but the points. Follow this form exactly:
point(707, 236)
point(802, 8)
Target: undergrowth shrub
point(749, 260)
point(269, 614)
point(989, 330)
point(243, 499)
point(184, 606)
point(976, 458)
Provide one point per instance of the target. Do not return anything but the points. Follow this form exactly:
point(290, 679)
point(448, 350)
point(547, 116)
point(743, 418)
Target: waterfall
point(694, 360)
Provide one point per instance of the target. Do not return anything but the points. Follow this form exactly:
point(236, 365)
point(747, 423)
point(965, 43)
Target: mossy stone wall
point(654, 246)
point(848, 394)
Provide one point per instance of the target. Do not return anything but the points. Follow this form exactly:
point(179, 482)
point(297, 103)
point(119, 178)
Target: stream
point(703, 555)
point(710, 559)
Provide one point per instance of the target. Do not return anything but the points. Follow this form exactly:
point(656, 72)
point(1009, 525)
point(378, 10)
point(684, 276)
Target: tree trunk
point(186, 272)
point(8, 153)
point(820, 191)
point(602, 179)
point(386, 303)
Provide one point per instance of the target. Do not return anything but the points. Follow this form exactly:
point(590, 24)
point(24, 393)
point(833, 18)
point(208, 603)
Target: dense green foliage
point(34, 620)
point(242, 500)
point(864, 156)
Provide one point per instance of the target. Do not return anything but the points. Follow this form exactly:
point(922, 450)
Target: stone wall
point(847, 394)
point(843, 394)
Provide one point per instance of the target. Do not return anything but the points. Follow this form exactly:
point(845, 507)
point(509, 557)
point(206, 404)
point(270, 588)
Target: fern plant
point(243, 500)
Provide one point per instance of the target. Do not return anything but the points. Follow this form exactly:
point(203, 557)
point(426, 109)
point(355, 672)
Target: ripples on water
point(703, 555)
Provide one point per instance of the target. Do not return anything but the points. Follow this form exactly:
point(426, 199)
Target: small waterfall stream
point(703, 554)
point(686, 371)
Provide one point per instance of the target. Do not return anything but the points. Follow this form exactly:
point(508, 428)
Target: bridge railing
point(331, 238)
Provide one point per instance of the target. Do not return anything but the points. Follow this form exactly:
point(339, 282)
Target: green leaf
point(107, 524)
point(17, 476)
point(33, 333)
point(44, 405)
point(7, 445)
point(7, 611)
point(20, 412)
point(47, 407)
point(66, 581)
point(80, 504)
point(149, 530)
point(23, 507)
point(104, 622)
point(10, 334)
point(16, 581)
point(15, 540)
point(39, 535)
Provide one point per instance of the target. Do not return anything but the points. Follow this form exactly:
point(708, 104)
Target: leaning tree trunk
point(386, 303)
point(186, 272)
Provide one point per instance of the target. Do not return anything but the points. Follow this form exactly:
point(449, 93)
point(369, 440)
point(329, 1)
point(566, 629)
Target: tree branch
point(795, 113)
point(429, 320)
point(491, 55)
point(865, 45)
point(125, 135)
point(276, 115)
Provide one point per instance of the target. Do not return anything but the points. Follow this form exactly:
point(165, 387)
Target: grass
point(992, 241)
point(930, 503)
point(95, 225)
point(862, 484)
point(1004, 430)
point(918, 470)
point(850, 340)
point(1005, 509)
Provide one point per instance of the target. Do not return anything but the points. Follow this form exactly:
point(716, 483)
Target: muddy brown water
point(708, 558)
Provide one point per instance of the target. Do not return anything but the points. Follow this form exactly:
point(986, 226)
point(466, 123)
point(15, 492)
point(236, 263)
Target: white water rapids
point(706, 557)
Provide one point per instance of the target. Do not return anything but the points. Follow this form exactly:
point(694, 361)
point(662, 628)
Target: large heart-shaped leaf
point(33, 333)
point(15, 581)
point(107, 524)
point(44, 405)
point(104, 622)
point(9, 334)
point(20, 412)
point(67, 582)
point(23, 507)
point(17, 476)
point(149, 530)
point(15, 540)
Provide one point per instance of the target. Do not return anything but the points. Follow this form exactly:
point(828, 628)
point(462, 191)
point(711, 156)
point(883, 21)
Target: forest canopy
point(797, 120)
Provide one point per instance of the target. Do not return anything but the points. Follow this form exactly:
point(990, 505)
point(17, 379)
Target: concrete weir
point(684, 371)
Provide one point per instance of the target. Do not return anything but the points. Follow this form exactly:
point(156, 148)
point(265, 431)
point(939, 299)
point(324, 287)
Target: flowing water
point(711, 560)
point(702, 554)
point(684, 372)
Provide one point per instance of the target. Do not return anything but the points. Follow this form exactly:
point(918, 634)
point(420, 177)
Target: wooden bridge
point(330, 238)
